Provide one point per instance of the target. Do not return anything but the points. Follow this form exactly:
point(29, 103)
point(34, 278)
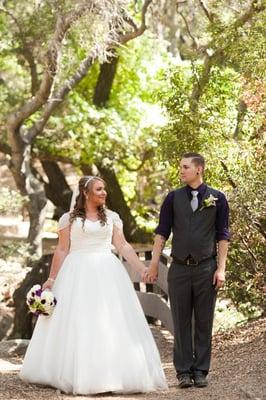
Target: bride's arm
point(60, 254)
point(127, 251)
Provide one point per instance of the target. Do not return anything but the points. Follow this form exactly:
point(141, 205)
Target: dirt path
point(238, 371)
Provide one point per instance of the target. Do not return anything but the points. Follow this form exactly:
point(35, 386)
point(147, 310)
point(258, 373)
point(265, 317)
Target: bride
point(97, 339)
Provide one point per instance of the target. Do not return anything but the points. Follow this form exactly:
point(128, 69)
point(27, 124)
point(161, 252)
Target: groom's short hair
point(197, 159)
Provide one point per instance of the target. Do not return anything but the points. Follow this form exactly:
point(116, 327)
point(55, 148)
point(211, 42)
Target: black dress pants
point(191, 289)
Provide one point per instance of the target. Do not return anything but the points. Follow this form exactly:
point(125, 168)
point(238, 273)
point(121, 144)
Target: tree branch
point(59, 96)
point(254, 8)
point(25, 51)
point(216, 56)
point(253, 255)
point(17, 118)
point(208, 14)
point(129, 20)
point(230, 179)
point(241, 112)
point(233, 26)
point(195, 43)
point(28, 55)
point(46, 156)
point(138, 31)
point(12, 16)
point(255, 223)
point(202, 81)
point(146, 156)
point(63, 24)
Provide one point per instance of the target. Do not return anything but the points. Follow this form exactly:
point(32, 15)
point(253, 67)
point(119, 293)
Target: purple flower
point(40, 302)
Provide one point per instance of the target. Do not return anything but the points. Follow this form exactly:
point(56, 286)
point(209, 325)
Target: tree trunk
point(115, 199)
point(37, 212)
point(57, 190)
point(241, 112)
point(116, 202)
point(24, 320)
point(105, 82)
point(29, 185)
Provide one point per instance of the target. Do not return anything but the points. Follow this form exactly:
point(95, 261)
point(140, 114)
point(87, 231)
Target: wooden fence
point(153, 297)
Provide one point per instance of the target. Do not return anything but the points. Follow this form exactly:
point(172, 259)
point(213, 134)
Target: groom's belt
point(190, 261)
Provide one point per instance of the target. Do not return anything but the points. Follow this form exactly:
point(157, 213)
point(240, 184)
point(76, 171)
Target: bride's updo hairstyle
point(85, 185)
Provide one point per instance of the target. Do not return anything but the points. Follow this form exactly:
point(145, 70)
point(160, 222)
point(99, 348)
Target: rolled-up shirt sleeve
point(222, 218)
point(166, 217)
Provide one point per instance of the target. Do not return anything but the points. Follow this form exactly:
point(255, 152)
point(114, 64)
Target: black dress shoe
point(184, 381)
point(200, 380)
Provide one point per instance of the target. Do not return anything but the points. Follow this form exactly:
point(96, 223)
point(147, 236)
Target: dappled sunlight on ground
point(237, 371)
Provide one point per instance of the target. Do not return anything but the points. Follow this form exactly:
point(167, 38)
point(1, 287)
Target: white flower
point(34, 292)
point(35, 287)
point(40, 302)
point(47, 295)
point(29, 295)
point(209, 202)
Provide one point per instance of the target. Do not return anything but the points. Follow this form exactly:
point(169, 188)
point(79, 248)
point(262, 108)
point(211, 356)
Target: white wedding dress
point(97, 339)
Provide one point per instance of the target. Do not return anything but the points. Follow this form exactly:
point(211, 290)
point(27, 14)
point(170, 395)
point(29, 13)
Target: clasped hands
point(150, 274)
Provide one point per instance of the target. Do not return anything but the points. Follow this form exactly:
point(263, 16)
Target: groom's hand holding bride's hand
point(143, 274)
point(151, 275)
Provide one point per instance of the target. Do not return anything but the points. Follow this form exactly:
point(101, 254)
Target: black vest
point(194, 233)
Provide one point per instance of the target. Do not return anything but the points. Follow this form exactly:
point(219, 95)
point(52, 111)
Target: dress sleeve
point(117, 221)
point(63, 221)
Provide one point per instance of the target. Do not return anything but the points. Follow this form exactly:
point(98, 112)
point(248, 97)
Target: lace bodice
point(92, 237)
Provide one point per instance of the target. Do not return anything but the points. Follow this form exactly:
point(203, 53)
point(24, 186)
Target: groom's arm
point(222, 237)
point(162, 234)
point(219, 275)
point(158, 246)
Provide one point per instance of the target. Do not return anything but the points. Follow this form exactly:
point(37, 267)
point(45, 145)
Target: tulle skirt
point(97, 339)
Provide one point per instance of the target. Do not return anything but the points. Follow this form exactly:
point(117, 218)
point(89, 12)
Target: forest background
point(121, 89)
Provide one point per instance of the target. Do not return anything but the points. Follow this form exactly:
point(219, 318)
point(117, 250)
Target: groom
point(197, 215)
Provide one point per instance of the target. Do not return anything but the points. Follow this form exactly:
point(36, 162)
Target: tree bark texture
point(24, 320)
point(105, 82)
point(116, 202)
point(57, 190)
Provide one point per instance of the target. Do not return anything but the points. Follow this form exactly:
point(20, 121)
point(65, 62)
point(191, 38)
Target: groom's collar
point(201, 188)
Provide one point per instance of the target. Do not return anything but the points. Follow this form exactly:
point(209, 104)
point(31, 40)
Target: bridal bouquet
point(40, 301)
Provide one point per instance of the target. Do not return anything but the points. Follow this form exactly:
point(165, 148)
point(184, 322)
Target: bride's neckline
point(92, 220)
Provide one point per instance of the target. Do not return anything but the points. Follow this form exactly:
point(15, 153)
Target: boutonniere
point(209, 202)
